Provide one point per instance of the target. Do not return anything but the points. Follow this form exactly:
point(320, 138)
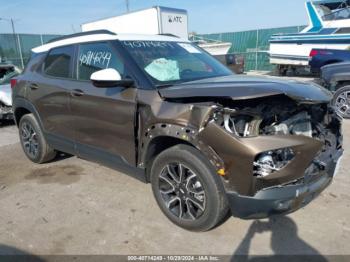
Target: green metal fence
point(253, 45)
point(16, 48)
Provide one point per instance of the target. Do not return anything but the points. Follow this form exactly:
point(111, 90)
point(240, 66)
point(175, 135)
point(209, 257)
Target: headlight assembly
point(269, 162)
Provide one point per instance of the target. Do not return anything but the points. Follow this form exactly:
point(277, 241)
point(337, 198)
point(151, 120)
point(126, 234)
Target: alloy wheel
point(182, 191)
point(342, 103)
point(30, 140)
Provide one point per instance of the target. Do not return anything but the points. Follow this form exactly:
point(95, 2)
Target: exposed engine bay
point(274, 117)
point(257, 135)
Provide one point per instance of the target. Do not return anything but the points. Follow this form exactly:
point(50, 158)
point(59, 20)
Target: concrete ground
point(75, 207)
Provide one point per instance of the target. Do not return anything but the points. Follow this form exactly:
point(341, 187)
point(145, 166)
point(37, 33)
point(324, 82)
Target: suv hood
point(244, 87)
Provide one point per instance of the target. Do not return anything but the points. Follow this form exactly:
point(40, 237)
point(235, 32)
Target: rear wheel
point(282, 70)
point(341, 101)
point(187, 189)
point(33, 141)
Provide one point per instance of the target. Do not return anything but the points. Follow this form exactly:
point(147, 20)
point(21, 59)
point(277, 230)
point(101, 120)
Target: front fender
point(182, 134)
point(338, 78)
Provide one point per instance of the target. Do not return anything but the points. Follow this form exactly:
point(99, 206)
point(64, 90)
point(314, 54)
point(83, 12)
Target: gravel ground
point(75, 207)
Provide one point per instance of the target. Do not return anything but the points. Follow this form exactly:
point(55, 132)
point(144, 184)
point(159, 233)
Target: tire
point(33, 141)
point(200, 195)
point(281, 70)
point(341, 101)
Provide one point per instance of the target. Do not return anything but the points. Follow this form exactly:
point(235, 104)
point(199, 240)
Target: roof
point(100, 36)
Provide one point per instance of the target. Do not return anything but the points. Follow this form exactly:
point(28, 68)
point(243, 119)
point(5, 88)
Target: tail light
point(319, 52)
point(13, 82)
point(313, 53)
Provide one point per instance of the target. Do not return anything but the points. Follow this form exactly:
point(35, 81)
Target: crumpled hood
point(5, 95)
point(246, 87)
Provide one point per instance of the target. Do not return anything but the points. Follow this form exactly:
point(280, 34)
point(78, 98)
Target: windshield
point(334, 11)
point(174, 62)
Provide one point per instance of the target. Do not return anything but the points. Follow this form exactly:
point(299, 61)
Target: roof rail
point(94, 32)
point(167, 34)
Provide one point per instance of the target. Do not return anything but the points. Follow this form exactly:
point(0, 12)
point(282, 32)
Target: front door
point(104, 117)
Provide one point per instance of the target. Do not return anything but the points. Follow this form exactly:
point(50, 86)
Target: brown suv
point(159, 108)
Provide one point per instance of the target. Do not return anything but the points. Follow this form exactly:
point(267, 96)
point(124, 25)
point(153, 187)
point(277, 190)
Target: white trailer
point(155, 20)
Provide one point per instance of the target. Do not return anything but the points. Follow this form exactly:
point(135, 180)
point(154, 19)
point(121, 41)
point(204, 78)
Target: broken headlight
point(269, 162)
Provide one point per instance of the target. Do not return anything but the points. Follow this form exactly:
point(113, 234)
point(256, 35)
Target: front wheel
point(187, 189)
point(341, 101)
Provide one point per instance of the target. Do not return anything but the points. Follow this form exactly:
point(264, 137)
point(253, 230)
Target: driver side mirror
point(110, 77)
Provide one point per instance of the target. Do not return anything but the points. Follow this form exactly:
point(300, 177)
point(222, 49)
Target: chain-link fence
point(253, 45)
point(16, 48)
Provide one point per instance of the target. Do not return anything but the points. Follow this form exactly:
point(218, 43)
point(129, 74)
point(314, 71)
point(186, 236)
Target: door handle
point(33, 86)
point(77, 92)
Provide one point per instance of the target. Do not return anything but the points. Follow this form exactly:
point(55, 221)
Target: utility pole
point(15, 38)
point(127, 6)
point(14, 35)
point(256, 50)
point(13, 26)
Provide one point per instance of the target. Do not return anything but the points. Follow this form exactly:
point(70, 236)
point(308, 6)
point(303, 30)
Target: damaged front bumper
point(284, 199)
point(294, 185)
point(6, 113)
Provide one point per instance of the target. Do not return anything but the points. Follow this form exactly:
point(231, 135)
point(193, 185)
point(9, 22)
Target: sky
point(205, 16)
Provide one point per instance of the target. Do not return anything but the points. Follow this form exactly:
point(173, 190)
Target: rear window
point(58, 62)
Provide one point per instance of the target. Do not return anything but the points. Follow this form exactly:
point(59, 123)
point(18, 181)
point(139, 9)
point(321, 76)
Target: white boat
point(213, 47)
point(216, 48)
point(329, 28)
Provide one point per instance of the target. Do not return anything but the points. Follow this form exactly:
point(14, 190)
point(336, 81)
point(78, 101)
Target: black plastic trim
point(60, 143)
point(24, 103)
point(283, 199)
point(110, 160)
point(276, 201)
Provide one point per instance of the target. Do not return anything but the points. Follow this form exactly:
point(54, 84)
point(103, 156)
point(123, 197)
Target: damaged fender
point(194, 123)
point(173, 120)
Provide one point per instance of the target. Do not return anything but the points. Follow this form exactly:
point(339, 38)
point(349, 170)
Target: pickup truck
point(321, 57)
point(336, 78)
point(233, 62)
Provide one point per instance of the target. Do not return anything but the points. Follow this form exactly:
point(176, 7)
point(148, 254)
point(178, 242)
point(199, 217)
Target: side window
point(58, 62)
point(97, 56)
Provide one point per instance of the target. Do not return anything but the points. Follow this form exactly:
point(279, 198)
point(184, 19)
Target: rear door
point(49, 90)
point(104, 117)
